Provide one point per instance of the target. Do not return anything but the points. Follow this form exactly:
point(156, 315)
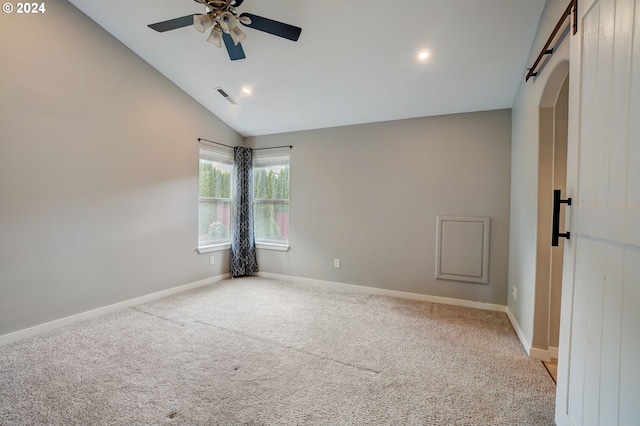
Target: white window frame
point(267, 158)
point(224, 157)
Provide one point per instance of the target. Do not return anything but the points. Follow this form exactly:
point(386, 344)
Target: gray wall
point(98, 171)
point(369, 195)
point(533, 95)
point(98, 181)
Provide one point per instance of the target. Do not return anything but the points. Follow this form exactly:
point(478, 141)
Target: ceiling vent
point(226, 95)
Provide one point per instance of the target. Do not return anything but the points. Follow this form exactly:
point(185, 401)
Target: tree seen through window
point(271, 203)
point(214, 195)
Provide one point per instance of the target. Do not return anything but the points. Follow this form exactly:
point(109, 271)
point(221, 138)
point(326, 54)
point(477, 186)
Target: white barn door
point(599, 361)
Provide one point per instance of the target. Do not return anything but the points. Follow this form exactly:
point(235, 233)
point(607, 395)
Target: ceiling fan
point(222, 16)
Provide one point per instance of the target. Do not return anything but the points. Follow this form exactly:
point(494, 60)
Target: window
point(214, 200)
point(271, 200)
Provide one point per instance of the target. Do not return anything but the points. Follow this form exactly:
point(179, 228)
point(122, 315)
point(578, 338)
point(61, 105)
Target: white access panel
point(462, 248)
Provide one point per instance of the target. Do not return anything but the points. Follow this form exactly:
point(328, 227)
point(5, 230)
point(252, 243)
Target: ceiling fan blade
point(235, 51)
point(172, 24)
point(270, 26)
point(238, 3)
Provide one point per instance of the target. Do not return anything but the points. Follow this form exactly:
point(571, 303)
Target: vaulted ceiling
point(355, 61)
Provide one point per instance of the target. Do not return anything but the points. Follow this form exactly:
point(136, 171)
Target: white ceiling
point(355, 61)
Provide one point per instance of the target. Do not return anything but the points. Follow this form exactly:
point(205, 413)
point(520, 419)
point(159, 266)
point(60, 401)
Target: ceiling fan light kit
point(202, 22)
point(223, 17)
point(215, 37)
point(237, 35)
point(227, 21)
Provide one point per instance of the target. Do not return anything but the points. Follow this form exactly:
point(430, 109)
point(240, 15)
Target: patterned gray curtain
point(243, 246)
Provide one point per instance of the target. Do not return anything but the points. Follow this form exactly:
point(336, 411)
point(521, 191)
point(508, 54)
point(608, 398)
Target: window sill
point(227, 246)
point(215, 247)
point(277, 247)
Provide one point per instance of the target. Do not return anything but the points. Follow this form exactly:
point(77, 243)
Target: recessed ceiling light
point(423, 55)
point(246, 90)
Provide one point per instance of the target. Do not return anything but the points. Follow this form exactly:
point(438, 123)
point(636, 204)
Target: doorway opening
point(552, 175)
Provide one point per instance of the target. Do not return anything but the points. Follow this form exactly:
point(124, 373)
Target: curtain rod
point(217, 143)
point(573, 5)
point(256, 149)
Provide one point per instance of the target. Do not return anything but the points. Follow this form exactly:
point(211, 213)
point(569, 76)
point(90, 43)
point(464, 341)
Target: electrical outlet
point(514, 292)
point(336, 263)
point(212, 260)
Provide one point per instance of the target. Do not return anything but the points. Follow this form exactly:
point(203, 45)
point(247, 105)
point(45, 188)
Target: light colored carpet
point(252, 351)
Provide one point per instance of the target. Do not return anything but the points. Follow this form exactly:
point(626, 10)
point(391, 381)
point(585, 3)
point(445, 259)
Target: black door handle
point(557, 200)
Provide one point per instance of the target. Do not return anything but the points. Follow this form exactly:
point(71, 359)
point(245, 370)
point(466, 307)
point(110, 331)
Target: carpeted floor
point(252, 351)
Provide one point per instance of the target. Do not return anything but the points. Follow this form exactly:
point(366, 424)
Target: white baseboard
point(544, 355)
point(540, 354)
point(42, 328)
point(516, 326)
point(384, 292)
point(535, 353)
